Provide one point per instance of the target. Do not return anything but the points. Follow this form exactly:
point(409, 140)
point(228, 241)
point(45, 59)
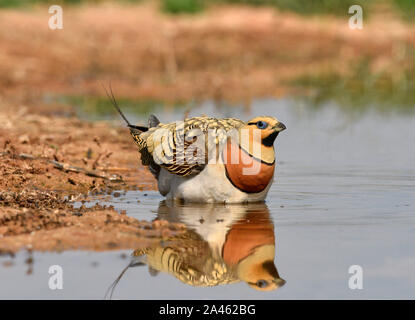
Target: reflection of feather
point(244, 251)
point(191, 265)
point(222, 245)
point(153, 272)
point(188, 258)
point(136, 262)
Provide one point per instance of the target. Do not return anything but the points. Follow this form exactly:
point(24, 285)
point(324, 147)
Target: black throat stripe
point(262, 161)
point(269, 141)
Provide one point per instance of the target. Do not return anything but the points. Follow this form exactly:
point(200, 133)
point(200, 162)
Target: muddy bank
point(47, 163)
point(67, 142)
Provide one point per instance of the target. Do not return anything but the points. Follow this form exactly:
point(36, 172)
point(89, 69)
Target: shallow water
point(344, 195)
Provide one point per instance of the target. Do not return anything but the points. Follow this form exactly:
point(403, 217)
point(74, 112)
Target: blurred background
point(181, 52)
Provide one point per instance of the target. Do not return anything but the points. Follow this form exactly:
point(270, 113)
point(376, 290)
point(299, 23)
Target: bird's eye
point(261, 124)
point(261, 283)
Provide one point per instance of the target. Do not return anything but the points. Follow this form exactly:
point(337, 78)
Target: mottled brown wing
point(189, 259)
point(182, 147)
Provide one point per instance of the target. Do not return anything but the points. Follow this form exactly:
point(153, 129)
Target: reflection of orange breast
point(247, 173)
point(244, 236)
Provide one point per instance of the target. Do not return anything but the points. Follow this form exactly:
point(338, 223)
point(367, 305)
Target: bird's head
point(258, 270)
point(249, 249)
point(257, 137)
point(268, 129)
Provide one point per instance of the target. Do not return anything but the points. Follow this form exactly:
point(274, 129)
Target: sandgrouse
point(209, 160)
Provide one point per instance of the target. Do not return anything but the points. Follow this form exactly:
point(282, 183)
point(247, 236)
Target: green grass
point(339, 7)
point(182, 6)
point(306, 7)
point(21, 3)
point(14, 3)
point(406, 7)
point(194, 6)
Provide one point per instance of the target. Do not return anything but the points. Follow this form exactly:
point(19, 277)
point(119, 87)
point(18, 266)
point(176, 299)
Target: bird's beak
point(279, 282)
point(279, 127)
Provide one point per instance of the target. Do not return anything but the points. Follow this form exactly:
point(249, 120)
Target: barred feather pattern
point(176, 146)
point(190, 260)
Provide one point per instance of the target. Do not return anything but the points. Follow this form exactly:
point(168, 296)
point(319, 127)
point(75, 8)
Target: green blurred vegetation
point(362, 88)
point(406, 7)
point(182, 6)
point(339, 7)
point(305, 6)
point(21, 3)
point(101, 108)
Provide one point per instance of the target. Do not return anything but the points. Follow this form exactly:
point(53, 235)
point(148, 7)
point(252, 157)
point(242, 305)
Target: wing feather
point(177, 146)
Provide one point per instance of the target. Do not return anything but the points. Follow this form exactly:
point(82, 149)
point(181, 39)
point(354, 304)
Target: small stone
point(24, 139)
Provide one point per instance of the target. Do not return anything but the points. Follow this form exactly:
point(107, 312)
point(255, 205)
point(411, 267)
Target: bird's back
point(176, 146)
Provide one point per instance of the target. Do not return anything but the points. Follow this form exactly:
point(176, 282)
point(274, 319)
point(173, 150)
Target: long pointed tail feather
point(111, 97)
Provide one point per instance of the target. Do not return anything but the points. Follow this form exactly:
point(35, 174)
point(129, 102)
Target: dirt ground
point(49, 159)
point(47, 163)
point(231, 53)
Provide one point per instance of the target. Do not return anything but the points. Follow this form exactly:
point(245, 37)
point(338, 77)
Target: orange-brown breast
point(247, 235)
point(250, 183)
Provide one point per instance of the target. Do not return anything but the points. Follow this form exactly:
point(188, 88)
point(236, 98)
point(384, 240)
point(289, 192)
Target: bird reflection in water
point(222, 244)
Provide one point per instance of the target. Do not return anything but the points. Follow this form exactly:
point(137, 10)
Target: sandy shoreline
point(36, 196)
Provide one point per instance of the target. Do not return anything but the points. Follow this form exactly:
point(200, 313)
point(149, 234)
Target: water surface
point(344, 195)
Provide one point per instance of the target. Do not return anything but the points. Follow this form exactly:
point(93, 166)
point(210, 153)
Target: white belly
point(209, 186)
